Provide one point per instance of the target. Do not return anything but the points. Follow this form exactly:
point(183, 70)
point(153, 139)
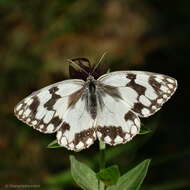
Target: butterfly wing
point(77, 131)
point(116, 122)
point(44, 109)
point(144, 92)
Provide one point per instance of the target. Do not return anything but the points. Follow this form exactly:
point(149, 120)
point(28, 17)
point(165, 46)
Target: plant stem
point(102, 147)
point(102, 161)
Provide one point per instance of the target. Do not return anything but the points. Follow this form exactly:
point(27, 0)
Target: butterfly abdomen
point(92, 99)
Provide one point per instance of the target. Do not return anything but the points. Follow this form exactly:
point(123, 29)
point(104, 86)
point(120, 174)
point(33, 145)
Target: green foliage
point(112, 154)
point(83, 175)
point(133, 179)
point(109, 175)
point(53, 144)
point(144, 131)
point(87, 179)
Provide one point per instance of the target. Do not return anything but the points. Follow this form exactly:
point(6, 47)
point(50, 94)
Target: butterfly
point(108, 108)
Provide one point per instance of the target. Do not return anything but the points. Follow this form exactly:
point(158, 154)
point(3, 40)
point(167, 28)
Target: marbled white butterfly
point(107, 108)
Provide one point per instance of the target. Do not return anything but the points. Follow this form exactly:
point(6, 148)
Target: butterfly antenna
point(101, 58)
point(74, 64)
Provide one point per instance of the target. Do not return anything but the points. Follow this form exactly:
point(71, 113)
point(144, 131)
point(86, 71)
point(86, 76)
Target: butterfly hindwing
point(144, 92)
point(116, 123)
point(77, 131)
point(44, 109)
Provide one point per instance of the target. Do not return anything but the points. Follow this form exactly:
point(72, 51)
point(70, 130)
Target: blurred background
point(36, 37)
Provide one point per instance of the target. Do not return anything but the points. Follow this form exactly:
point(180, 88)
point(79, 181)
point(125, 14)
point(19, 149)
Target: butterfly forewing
point(44, 109)
point(144, 92)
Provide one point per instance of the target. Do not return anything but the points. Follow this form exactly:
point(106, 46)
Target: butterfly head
point(90, 78)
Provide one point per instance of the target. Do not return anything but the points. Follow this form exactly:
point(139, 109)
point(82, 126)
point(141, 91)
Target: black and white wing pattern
point(116, 123)
point(77, 132)
point(144, 92)
point(60, 108)
point(118, 99)
point(126, 96)
point(44, 109)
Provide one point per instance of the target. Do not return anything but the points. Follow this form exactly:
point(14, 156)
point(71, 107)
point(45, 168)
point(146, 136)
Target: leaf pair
point(87, 179)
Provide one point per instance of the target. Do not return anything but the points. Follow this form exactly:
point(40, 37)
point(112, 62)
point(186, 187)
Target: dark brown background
point(36, 37)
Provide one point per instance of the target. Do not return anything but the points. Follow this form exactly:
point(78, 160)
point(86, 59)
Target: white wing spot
point(30, 101)
point(137, 122)
point(34, 122)
point(160, 76)
point(158, 79)
point(159, 101)
point(133, 130)
point(127, 136)
point(89, 141)
point(71, 146)
point(145, 111)
point(151, 94)
point(59, 134)
point(99, 134)
point(170, 86)
point(170, 80)
point(50, 128)
point(20, 112)
point(80, 145)
point(94, 134)
point(163, 88)
point(26, 100)
point(63, 141)
point(41, 126)
point(165, 96)
point(18, 107)
point(107, 139)
point(144, 100)
point(118, 139)
point(153, 107)
point(28, 120)
point(27, 112)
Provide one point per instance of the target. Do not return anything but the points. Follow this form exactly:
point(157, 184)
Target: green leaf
point(83, 175)
point(144, 131)
point(109, 175)
point(133, 179)
point(53, 144)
